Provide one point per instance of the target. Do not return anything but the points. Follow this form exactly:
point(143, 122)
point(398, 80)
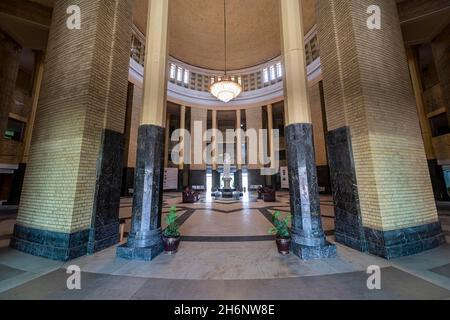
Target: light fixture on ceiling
point(225, 88)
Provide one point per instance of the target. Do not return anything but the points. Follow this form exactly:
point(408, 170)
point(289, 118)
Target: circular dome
point(197, 31)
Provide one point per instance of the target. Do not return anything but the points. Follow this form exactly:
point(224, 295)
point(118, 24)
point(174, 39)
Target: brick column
point(383, 198)
point(71, 194)
point(145, 240)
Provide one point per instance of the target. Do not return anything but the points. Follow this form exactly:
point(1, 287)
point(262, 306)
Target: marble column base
point(49, 244)
point(104, 231)
point(349, 228)
point(143, 254)
point(404, 242)
point(308, 237)
point(325, 251)
point(103, 237)
point(437, 181)
point(145, 241)
point(16, 188)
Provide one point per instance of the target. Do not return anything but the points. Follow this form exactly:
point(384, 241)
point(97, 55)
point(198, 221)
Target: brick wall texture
point(84, 91)
point(368, 88)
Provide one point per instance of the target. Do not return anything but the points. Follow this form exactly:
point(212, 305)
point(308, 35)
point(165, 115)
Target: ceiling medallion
point(225, 88)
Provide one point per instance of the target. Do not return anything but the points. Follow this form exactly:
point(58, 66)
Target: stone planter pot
point(284, 245)
point(171, 244)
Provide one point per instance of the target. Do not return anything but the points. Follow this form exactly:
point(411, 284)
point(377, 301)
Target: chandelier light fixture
point(225, 88)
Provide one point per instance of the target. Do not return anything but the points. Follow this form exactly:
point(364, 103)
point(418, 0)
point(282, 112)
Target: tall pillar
point(270, 129)
point(182, 138)
point(215, 173)
point(167, 141)
point(145, 242)
point(197, 167)
point(19, 174)
point(269, 108)
point(383, 198)
point(238, 176)
point(436, 174)
point(71, 193)
point(238, 139)
point(214, 139)
point(10, 53)
point(181, 165)
point(254, 125)
point(308, 238)
point(441, 53)
point(418, 94)
point(132, 127)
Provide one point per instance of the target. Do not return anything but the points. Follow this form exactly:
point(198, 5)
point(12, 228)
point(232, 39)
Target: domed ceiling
point(197, 30)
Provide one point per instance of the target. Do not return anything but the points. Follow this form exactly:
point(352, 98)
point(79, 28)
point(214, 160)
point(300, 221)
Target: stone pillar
point(71, 193)
point(214, 139)
point(383, 198)
point(19, 174)
point(215, 173)
point(145, 242)
point(254, 121)
point(436, 174)
point(134, 119)
point(239, 161)
point(199, 125)
point(182, 138)
point(270, 132)
point(308, 238)
point(167, 141)
point(271, 151)
point(181, 166)
point(37, 84)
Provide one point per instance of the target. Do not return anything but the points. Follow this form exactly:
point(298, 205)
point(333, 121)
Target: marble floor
point(226, 253)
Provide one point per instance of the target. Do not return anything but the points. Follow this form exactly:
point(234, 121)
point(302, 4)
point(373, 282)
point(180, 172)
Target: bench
point(122, 222)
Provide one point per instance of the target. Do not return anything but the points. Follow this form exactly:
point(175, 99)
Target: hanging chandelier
point(225, 88)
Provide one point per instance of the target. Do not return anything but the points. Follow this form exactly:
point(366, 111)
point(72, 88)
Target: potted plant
point(171, 235)
point(281, 230)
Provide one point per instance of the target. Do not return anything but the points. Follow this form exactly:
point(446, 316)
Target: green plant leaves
point(280, 228)
point(173, 229)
